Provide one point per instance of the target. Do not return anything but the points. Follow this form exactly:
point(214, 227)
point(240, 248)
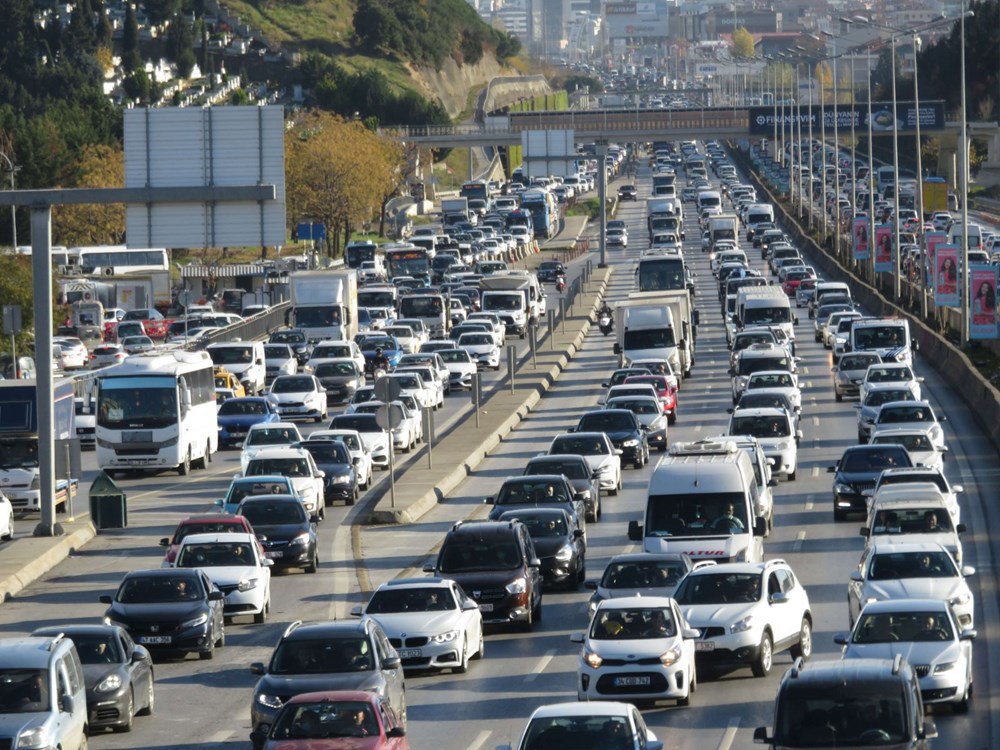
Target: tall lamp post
point(13, 169)
point(964, 276)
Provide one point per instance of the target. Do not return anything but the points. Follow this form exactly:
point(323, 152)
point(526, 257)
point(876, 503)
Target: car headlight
point(247, 584)
point(565, 553)
point(843, 489)
point(741, 626)
point(517, 586)
point(109, 684)
point(446, 637)
point(945, 667)
point(630, 443)
point(36, 482)
point(592, 660)
point(195, 621)
point(271, 701)
point(670, 656)
point(963, 598)
point(299, 541)
point(342, 479)
point(34, 737)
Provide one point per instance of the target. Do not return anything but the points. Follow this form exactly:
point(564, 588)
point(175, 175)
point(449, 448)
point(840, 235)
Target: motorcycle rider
point(380, 361)
point(604, 311)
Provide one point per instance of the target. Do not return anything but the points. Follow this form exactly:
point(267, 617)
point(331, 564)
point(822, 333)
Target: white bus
point(157, 411)
point(118, 260)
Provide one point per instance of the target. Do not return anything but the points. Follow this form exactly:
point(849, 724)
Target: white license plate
point(136, 462)
point(409, 653)
point(631, 681)
point(152, 639)
point(704, 646)
point(238, 433)
point(485, 607)
point(273, 553)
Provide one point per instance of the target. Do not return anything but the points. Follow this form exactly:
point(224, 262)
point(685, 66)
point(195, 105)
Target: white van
point(766, 306)
point(709, 199)
point(758, 213)
point(245, 360)
point(887, 337)
point(703, 500)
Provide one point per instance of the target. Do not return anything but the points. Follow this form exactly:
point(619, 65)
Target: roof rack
point(56, 639)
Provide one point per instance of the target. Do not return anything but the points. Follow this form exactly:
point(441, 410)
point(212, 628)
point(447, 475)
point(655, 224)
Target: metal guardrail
point(253, 328)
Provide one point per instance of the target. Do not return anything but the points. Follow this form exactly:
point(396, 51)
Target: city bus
point(157, 411)
point(477, 189)
point(118, 260)
point(544, 211)
point(408, 261)
point(358, 252)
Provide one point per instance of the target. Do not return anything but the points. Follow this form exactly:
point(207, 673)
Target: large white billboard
point(633, 20)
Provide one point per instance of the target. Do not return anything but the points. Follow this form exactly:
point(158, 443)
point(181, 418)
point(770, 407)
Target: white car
point(641, 574)
point(299, 397)
point(776, 433)
point(911, 414)
point(777, 380)
point(420, 330)
point(903, 478)
point(747, 612)
point(603, 458)
point(918, 517)
point(234, 563)
point(434, 621)
point(360, 456)
point(267, 435)
point(829, 329)
point(72, 354)
point(461, 367)
point(279, 359)
point(918, 441)
point(899, 373)
point(413, 384)
point(637, 646)
point(375, 439)
point(482, 347)
point(408, 340)
point(598, 724)
point(6, 518)
point(616, 237)
point(927, 635)
point(499, 329)
point(891, 570)
point(137, 344)
point(405, 436)
point(107, 355)
point(335, 350)
point(432, 379)
point(428, 359)
point(299, 466)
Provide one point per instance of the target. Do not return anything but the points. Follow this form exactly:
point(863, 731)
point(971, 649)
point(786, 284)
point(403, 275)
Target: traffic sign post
point(551, 315)
point(511, 360)
point(533, 343)
point(390, 416)
point(387, 390)
point(12, 327)
point(477, 384)
point(428, 419)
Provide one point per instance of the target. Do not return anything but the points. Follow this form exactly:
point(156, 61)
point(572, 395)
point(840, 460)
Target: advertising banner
point(859, 231)
point(884, 250)
point(934, 240)
point(983, 299)
point(930, 115)
point(945, 270)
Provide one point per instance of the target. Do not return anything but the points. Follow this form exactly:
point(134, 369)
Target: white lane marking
point(697, 428)
point(799, 538)
point(815, 471)
point(809, 384)
point(815, 421)
point(540, 667)
point(480, 739)
point(340, 553)
point(809, 502)
point(729, 735)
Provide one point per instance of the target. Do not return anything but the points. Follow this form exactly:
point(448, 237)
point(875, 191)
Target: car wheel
point(791, 475)
point(537, 611)
point(765, 656)
point(638, 463)
point(313, 562)
point(221, 642)
point(261, 617)
point(600, 508)
point(528, 625)
point(803, 649)
point(83, 743)
point(463, 666)
point(686, 700)
point(838, 396)
point(321, 511)
point(150, 706)
point(962, 707)
point(581, 572)
point(481, 651)
point(184, 468)
point(129, 716)
point(353, 498)
point(207, 655)
point(614, 490)
point(671, 419)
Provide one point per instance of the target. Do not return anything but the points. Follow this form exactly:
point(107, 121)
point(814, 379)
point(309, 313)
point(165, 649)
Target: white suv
point(746, 612)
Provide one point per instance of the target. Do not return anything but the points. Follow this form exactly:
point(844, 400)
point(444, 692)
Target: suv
point(45, 698)
point(496, 564)
point(746, 612)
point(858, 703)
point(340, 655)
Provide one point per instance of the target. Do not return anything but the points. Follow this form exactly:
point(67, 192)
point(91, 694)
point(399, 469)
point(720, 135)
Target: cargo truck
point(646, 330)
point(325, 303)
point(685, 320)
point(722, 228)
point(516, 298)
point(454, 210)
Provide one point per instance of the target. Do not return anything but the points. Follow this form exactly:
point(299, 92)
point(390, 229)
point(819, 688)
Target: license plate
point(409, 653)
point(151, 639)
point(704, 646)
point(485, 607)
point(136, 462)
point(238, 433)
point(273, 553)
point(632, 681)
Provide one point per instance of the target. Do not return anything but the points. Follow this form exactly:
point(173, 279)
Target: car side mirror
point(865, 532)
point(489, 500)
point(258, 668)
point(104, 599)
point(635, 531)
point(760, 526)
point(968, 635)
point(357, 610)
point(856, 576)
point(968, 570)
point(576, 638)
point(392, 662)
point(397, 731)
point(831, 469)
point(428, 567)
point(761, 737)
point(618, 451)
point(929, 730)
point(778, 598)
point(840, 639)
point(216, 596)
point(617, 349)
point(165, 542)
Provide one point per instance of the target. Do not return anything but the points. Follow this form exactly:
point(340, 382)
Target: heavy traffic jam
point(655, 570)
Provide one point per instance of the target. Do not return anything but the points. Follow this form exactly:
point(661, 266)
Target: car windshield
point(328, 451)
point(292, 385)
point(579, 445)
point(889, 375)
point(23, 691)
point(273, 514)
point(469, 556)
point(771, 380)
point(236, 407)
point(874, 460)
point(335, 369)
point(848, 716)
point(760, 426)
point(527, 492)
point(331, 351)
point(639, 574)
point(605, 732)
point(750, 365)
point(288, 337)
point(914, 520)
point(97, 648)
point(702, 514)
point(476, 339)
point(286, 467)
point(719, 588)
point(892, 627)
point(751, 400)
point(915, 442)
point(891, 566)
point(636, 405)
point(273, 436)
point(159, 589)
point(215, 555)
point(322, 656)
point(325, 720)
point(856, 361)
point(606, 421)
point(890, 414)
point(278, 351)
point(393, 600)
point(569, 469)
point(633, 624)
point(231, 355)
point(222, 527)
point(877, 398)
point(656, 338)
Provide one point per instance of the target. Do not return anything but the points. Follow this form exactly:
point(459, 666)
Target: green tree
point(130, 41)
point(136, 86)
point(743, 44)
point(160, 11)
point(15, 289)
point(181, 42)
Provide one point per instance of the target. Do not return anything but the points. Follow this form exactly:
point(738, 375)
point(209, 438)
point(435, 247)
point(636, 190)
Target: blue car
point(389, 346)
point(243, 487)
point(238, 415)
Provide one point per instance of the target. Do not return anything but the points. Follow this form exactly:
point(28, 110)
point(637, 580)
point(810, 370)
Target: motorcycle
point(560, 284)
point(605, 323)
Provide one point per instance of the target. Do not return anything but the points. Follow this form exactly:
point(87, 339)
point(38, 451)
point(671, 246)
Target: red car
point(664, 392)
point(334, 720)
point(793, 279)
point(210, 524)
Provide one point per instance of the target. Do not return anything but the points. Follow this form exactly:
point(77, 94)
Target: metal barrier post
point(533, 343)
point(392, 472)
point(562, 313)
point(476, 396)
point(70, 516)
point(429, 435)
point(551, 315)
point(511, 359)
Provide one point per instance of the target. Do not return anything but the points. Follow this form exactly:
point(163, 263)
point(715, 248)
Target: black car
point(550, 270)
point(334, 459)
point(171, 610)
point(623, 429)
point(858, 470)
point(284, 529)
point(296, 339)
point(618, 376)
point(541, 490)
point(628, 193)
point(117, 673)
point(558, 542)
point(495, 563)
point(576, 469)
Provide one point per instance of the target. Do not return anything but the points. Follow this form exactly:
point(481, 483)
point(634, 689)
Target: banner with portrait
point(945, 275)
point(883, 248)
point(983, 301)
point(859, 233)
point(934, 240)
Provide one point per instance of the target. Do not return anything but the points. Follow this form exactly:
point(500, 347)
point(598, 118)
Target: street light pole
point(13, 211)
point(964, 276)
point(896, 291)
point(836, 158)
point(921, 235)
point(871, 177)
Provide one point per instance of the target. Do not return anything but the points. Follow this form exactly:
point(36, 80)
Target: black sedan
point(539, 491)
point(550, 270)
point(628, 193)
point(117, 673)
point(576, 469)
point(286, 532)
point(623, 429)
point(169, 610)
point(558, 542)
point(334, 459)
point(858, 470)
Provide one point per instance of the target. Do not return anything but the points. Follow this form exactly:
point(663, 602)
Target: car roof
point(649, 557)
point(582, 709)
point(557, 457)
point(276, 498)
point(626, 602)
point(221, 537)
point(482, 529)
point(214, 517)
point(272, 425)
point(335, 696)
point(842, 673)
point(761, 411)
point(280, 451)
point(906, 605)
point(328, 628)
point(422, 583)
point(888, 547)
point(515, 514)
point(26, 651)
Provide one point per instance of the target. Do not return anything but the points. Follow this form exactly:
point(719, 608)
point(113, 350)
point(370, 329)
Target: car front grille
point(645, 662)
point(922, 670)
point(414, 642)
point(712, 632)
point(488, 595)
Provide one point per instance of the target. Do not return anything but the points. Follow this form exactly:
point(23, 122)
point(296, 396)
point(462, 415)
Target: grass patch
point(325, 25)
point(591, 208)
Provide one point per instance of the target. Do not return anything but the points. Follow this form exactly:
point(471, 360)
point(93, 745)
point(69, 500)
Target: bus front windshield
point(408, 264)
point(137, 402)
point(661, 275)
